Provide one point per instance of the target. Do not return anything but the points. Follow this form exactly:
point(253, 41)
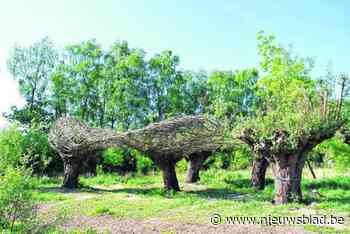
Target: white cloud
point(9, 92)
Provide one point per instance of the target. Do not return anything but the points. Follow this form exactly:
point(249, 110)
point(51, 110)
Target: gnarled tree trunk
point(71, 172)
point(288, 174)
point(195, 162)
point(299, 173)
point(258, 172)
point(167, 166)
point(287, 163)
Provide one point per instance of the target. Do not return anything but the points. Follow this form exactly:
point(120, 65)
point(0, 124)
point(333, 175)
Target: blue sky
point(205, 34)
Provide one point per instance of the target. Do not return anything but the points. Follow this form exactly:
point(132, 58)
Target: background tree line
point(287, 115)
point(122, 88)
point(125, 88)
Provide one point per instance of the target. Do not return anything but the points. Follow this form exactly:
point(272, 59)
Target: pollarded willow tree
point(295, 114)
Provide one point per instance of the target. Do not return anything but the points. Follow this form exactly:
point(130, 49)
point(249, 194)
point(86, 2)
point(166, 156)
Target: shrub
point(181, 166)
point(99, 170)
point(10, 147)
point(334, 152)
point(27, 147)
point(219, 160)
point(126, 160)
point(238, 158)
point(119, 160)
point(242, 158)
point(113, 156)
point(16, 200)
point(143, 164)
point(39, 155)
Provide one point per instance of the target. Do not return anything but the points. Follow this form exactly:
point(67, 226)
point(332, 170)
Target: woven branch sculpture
point(165, 143)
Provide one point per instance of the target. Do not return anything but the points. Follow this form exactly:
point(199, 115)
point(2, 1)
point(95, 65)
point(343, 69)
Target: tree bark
point(258, 173)
point(299, 173)
point(288, 174)
point(167, 166)
point(284, 174)
point(71, 173)
point(195, 162)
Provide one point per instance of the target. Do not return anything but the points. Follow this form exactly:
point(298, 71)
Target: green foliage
point(166, 88)
point(223, 160)
point(32, 67)
point(28, 148)
point(30, 114)
point(143, 163)
point(232, 93)
point(236, 158)
point(288, 97)
point(83, 71)
point(196, 93)
point(10, 147)
point(16, 200)
point(118, 160)
point(113, 156)
point(286, 86)
point(39, 155)
point(336, 153)
point(99, 170)
point(242, 157)
point(125, 86)
point(127, 160)
point(122, 88)
point(181, 166)
point(219, 160)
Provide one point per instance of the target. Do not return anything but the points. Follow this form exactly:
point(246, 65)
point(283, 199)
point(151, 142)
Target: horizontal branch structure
point(165, 143)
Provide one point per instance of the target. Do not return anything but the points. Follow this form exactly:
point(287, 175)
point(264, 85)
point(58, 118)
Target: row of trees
point(282, 113)
point(120, 87)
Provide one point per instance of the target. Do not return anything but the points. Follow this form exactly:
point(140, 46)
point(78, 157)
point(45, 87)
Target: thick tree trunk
point(167, 166)
point(258, 173)
point(288, 174)
point(169, 177)
point(195, 162)
point(71, 173)
point(299, 174)
point(284, 176)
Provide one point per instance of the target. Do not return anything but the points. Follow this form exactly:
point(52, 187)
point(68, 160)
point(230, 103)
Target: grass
point(225, 192)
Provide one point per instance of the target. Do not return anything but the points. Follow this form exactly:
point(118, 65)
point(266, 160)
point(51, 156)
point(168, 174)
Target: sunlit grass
point(220, 191)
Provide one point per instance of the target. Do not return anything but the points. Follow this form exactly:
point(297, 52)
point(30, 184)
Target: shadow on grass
point(89, 189)
point(333, 190)
point(341, 200)
point(237, 189)
point(245, 183)
point(208, 193)
point(329, 184)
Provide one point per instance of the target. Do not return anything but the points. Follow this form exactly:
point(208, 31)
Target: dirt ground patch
point(113, 225)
